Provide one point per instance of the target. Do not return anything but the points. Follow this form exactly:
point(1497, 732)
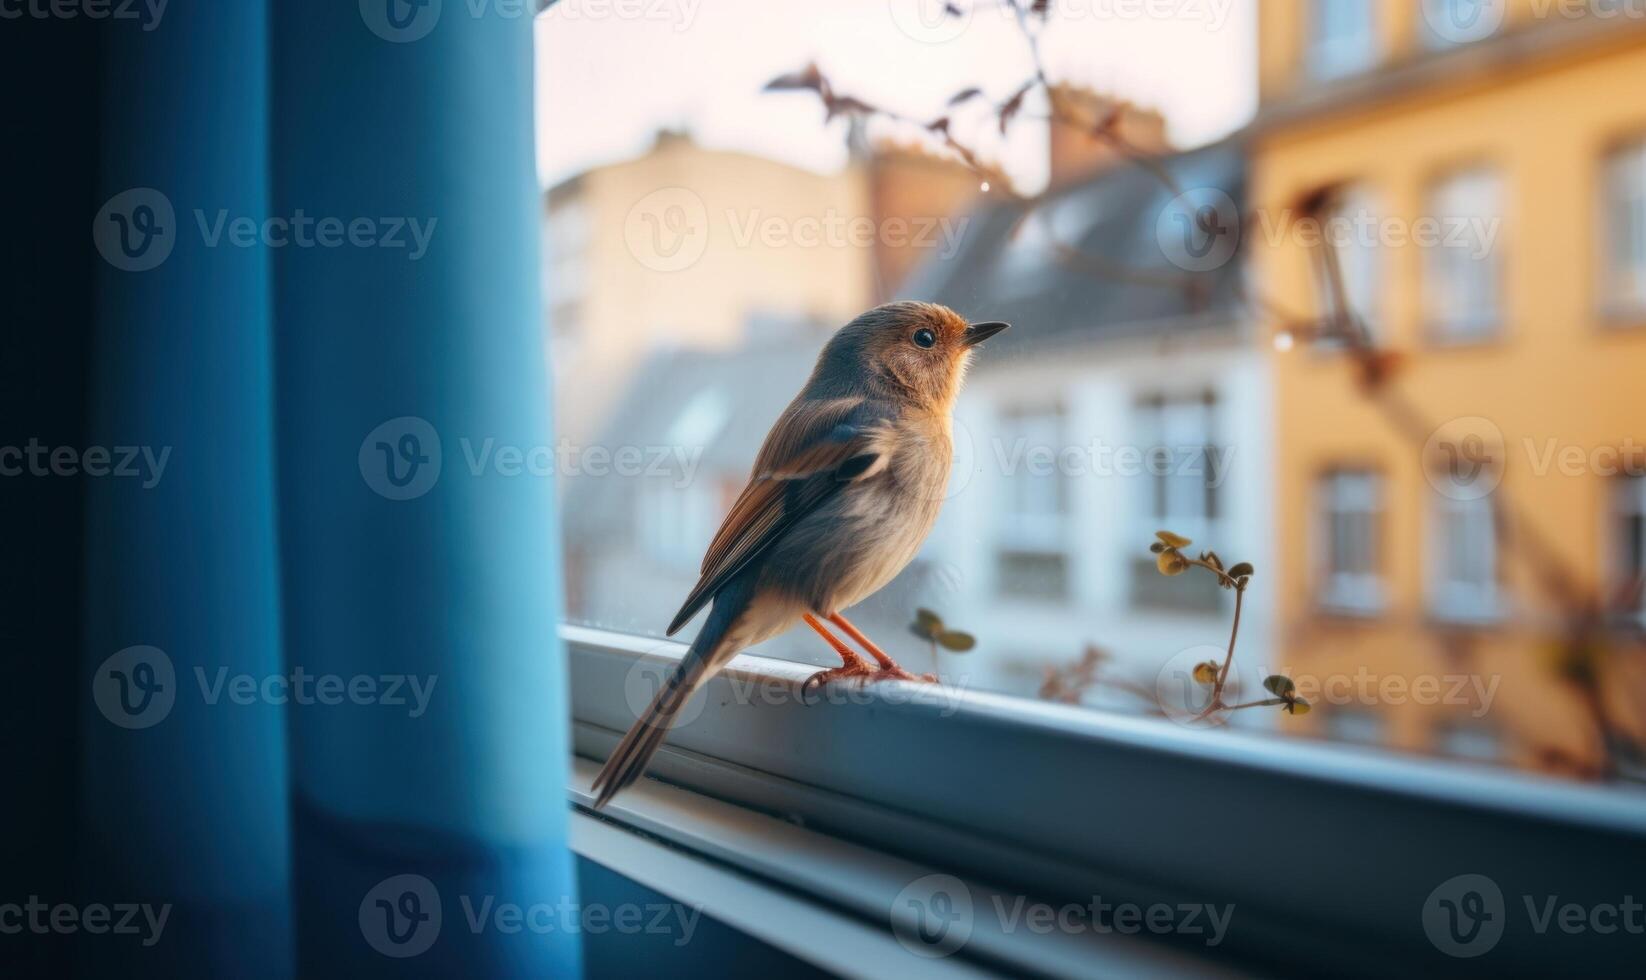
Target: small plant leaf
point(1205, 672)
point(927, 625)
point(1242, 570)
point(1297, 706)
point(1156, 547)
point(957, 641)
point(1280, 686)
point(1171, 540)
point(1171, 563)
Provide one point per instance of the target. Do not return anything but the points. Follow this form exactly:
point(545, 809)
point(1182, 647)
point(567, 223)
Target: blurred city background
point(1352, 291)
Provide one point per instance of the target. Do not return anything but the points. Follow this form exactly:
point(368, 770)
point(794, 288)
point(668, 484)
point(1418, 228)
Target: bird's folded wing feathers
point(815, 448)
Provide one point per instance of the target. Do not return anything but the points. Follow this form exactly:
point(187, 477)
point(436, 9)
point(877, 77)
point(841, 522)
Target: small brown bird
point(844, 491)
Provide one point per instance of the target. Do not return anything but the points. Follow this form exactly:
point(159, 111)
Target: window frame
point(1323, 59)
point(1626, 499)
point(1012, 532)
point(1295, 824)
point(1612, 310)
point(1450, 600)
point(1346, 593)
point(1438, 330)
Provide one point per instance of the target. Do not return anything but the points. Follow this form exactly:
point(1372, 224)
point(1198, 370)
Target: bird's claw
point(863, 674)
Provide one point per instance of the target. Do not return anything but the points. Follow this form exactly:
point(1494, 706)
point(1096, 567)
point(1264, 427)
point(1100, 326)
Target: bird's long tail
point(628, 761)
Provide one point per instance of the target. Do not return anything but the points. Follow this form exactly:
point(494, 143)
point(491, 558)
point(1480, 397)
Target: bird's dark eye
point(925, 338)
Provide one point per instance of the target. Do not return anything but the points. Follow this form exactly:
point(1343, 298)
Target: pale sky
point(611, 72)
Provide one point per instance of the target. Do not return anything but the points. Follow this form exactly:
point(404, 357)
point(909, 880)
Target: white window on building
point(1342, 38)
point(1463, 584)
point(1447, 23)
point(1462, 255)
point(1179, 491)
point(1631, 542)
point(1470, 740)
point(1351, 241)
point(1355, 726)
point(1351, 522)
point(1031, 533)
point(1624, 219)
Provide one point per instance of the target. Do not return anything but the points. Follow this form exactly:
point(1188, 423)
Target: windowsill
point(822, 899)
point(1622, 319)
point(1067, 804)
point(1437, 337)
point(1480, 615)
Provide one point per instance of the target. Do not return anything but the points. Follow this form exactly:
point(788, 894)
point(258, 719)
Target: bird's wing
point(815, 448)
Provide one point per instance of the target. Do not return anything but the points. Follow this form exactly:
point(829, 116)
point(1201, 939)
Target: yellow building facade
point(1435, 535)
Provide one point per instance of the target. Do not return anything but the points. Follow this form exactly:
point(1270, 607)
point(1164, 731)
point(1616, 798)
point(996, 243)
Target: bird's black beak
point(979, 332)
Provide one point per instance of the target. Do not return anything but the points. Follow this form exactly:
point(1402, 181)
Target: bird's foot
point(863, 674)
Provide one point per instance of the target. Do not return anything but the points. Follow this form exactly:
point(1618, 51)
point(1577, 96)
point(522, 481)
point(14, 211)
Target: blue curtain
point(395, 772)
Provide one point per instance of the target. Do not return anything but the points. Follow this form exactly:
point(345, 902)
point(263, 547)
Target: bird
point(844, 490)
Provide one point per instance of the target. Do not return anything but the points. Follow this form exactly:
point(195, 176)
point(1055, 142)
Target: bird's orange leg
point(852, 665)
point(888, 666)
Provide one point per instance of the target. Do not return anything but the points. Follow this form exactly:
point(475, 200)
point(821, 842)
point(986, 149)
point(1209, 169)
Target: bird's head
point(910, 351)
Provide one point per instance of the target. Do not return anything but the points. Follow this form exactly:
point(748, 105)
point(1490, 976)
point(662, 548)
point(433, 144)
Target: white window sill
point(1067, 805)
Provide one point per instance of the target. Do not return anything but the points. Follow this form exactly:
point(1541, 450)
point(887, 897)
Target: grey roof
point(1115, 219)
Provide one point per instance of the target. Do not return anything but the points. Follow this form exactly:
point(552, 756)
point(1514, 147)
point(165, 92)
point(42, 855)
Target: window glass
point(1463, 256)
point(1157, 410)
point(1351, 508)
point(1624, 218)
point(1342, 37)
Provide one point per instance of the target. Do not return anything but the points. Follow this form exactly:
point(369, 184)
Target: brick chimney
point(1075, 153)
point(919, 190)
